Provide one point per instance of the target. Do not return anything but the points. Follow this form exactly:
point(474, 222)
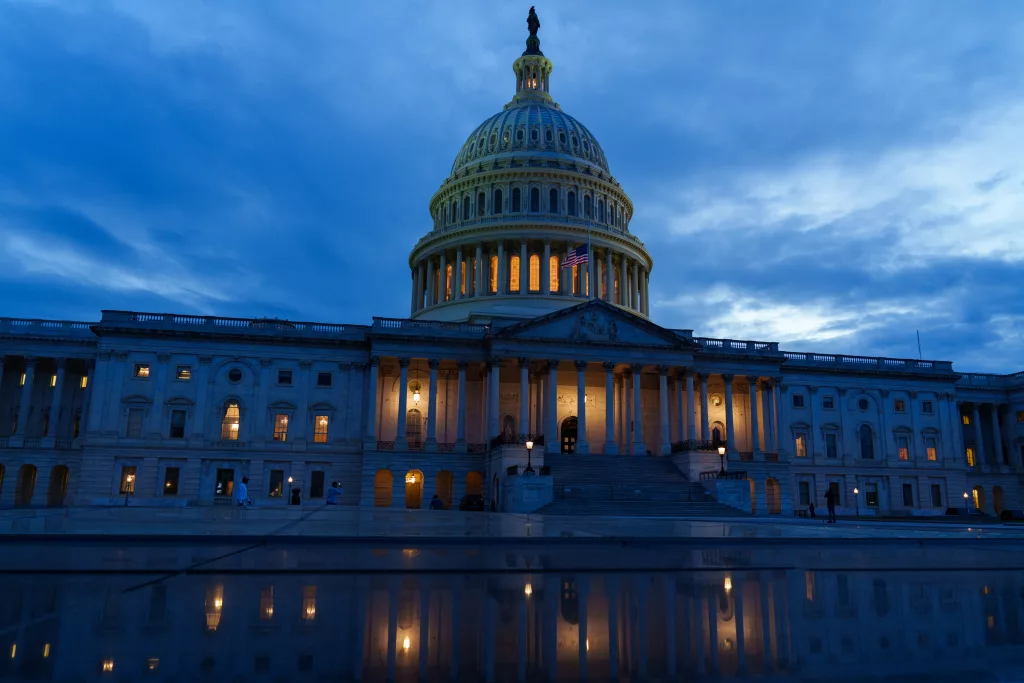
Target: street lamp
point(129, 487)
point(967, 505)
point(529, 457)
point(856, 499)
point(721, 457)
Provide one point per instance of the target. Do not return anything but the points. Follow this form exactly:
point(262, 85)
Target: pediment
point(595, 322)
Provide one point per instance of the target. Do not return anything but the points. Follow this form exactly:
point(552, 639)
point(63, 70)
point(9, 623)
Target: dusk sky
point(830, 175)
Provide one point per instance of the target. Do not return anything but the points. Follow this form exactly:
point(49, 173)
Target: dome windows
point(561, 137)
point(481, 204)
point(498, 201)
point(600, 210)
point(547, 135)
point(586, 146)
point(494, 139)
point(506, 136)
point(571, 202)
point(465, 208)
point(586, 206)
point(472, 148)
point(553, 201)
point(534, 200)
point(534, 135)
point(520, 135)
point(517, 200)
point(575, 141)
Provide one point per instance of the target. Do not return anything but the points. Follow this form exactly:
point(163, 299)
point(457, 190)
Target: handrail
point(796, 358)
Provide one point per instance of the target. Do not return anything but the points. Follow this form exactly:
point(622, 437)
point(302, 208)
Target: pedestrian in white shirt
point(242, 495)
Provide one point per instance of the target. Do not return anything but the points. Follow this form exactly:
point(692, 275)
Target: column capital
point(776, 380)
point(683, 372)
point(494, 362)
point(90, 363)
point(161, 357)
point(581, 365)
point(432, 363)
point(119, 356)
point(727, 378)
point(403, 362)
point(30, 361)
point(462, 365)
point(552, 365)
point(524, 362)
point(703, 377)
point(663, 370)
point(105, 354)
point(63, 362)
point(374, 361)
point(358, 366)
point(752, 381)
point(608, 365)
point(637, 368)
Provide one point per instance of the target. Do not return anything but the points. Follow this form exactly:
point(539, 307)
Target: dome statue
point(530, 218)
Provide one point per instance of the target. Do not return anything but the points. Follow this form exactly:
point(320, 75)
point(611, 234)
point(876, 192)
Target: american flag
point(577, 256)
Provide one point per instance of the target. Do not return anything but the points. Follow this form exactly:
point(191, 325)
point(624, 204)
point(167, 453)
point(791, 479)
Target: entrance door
point(569, 435)
point(413, 489)
point(26, 485)
point(58, 486)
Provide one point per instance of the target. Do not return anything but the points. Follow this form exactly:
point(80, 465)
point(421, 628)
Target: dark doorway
point(58, 486)
point(26, 485)
point(569, 435)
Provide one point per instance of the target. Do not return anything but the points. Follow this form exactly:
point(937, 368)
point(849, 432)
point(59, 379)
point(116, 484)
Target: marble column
point(776, 417)
point(457, 293)
point(89, 377)
point(691, 417)
point(979, 441)
point(58, 391)
point(609, 409)
point(545, 270)
point(26, 396)
point(494, 387)
point(730, 429)
point(627, 411)
point(755, 436)
point(609, 277)
point(401, 443)
point(623, 282)
point(478, 271)
point(552, 439)
point(582, 446)
point(524, 270)
point(680, 408)
point(160, 381)
point(442, 269)
point(635, 302)
point(666, 435)
point(430, 445)
point(997, 435)
point(638, 413)
point(705, 427)
point(371, 405)
point(502, 285)
point(415, 288)
point(524, 396)
point(460, 436)
point(766, 409)
point(430, 281)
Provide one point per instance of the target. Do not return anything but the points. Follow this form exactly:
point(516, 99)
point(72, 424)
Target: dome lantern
point(532, 69)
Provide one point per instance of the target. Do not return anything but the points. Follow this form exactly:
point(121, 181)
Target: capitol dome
point(530, 218)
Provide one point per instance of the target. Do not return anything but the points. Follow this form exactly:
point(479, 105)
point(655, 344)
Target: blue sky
point(833, 176)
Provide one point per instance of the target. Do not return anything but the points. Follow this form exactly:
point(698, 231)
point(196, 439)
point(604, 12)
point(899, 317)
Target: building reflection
point(718, 622)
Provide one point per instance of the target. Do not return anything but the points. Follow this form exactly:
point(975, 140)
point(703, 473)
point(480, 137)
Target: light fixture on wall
point(406, 644)
point(528, 590)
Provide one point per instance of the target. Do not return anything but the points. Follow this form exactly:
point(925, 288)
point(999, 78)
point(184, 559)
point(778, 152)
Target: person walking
point(334, 493)
point(242, 494)
point(436, 503)
point(830, 503)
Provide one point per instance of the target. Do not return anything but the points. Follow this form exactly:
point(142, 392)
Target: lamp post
point(967, 504)
point(129, 486)
point(721, 457)
point(529, 457)
point(856, 499)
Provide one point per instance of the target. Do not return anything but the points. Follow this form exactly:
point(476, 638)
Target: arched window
point(571, 201)
point(494, 274)
point(455, 210)
point(867, 443)
point(513, 274)
point(465, 208)
point(553, 201)
point(600, 210)
point(534, 200)
point(446, 216)
point(517, 200)
point(553, 276)
point(413, 426)
point(481, 204)
point(586, 206)
point(498, 201)
point(447, 282)
point(229, 424)
point(534, 273)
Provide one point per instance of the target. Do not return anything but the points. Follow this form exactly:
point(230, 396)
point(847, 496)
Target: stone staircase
point(627, 486)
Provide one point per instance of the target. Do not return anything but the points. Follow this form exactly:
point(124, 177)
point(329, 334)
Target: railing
point(420, 325)
point(476, 448)
point(227, 443)
point(746, 455)
point(63, 444)
point(171, 320)
point(385, 445)
point(695, 445)
point(736, 345)
point(519, 218)
point(794, 358)
point(36, 326)
point(985, 379)
point(771, 457)
point(445, 447)
point(32, 443)
point(731, 474)
point(516, 470)
point(517, 440)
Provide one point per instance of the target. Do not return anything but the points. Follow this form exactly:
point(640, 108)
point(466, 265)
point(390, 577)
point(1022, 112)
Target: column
point(997, 435)
point(979, 446)
point(647, 293)
point(478, 271)
point(635, 290)
point(638, 414)
point(609, 277)
point(442, 272)
point(90, 375)
point(609, 409)
point(58, 390)
point(552, 440)
point(502, 286)
point(623, 279)
point(26, 396)
point(460, 436)
point(430, 444)
point(524, 270)
point(730, 431)
point(202, 390)
point(430, 281)
point(627, 412)
point(680, 409)
point(493, 427)
point(415, 283)
point(776, 381)
point(666, 434)
point(457, 293)
point(582, 447)
point(159, 390)
point(524, 396)
point(705, 427)
point(691, 418)
point(755, 437)
point(401, 443)
point(371, 405)
point(545, 270)
point(766, 625)
point(766, 407)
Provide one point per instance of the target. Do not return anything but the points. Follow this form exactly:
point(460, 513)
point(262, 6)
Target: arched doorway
point(753, 496)
point(382, 488)
point(717, 433)
point(978, 495)
point(568, 434)
point(26, 485)
point(474, 484)
point(443, 487)
point(771, 496)
point(58, 486)
point(508, 428)
point(413, 490)
point(997, 500)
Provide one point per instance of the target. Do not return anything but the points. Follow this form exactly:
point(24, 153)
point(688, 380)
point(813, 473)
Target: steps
point(627, 486)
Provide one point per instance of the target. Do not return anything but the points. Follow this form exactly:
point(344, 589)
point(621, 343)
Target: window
point(135, 423)
point(805, 493)
point(965, 419)
point(867, 443)
point(600, 210)
point(798, 401)
point(908, 495)
point(281, 427)
point(316, 484)
point(834, 486)
point(498, 201)
point(323, 379)
point(936, 496)
point(927, 407)
point(534, 135)
point(85, 382)
point(1020, 413)
point(142, 370)
point(971, 462)
point(284, 376)
point(801, 445)
point(276, 487)
point(863, 404)
point(534, 273)
point(553, 201)
point(534, 199)
point(465, 208)
point(267, 603)
point(828, 402)
point(128, 479)
point(587, 206)
point(561, 137)
point(871, 495)
point(224, 484)
point(481, 204)
point(513, 274)
point(455, 210)
point(183, 373)
point(414, 426)
point(177, 424)
point(53, 380)
point(320, 429)
point(171, 475)
point(903, 446)
point(230, 422)
point(931, 448)
point(899, 405)
point(554, 269)
point(517, 200)
point(831, 446)
point(494, 274)
point(309, 603)
point(234, 375)
point(571, 201)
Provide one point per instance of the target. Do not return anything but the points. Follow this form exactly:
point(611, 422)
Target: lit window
point(142, 370)
point(127, 479)
point(107, 666)
point(84, 383)
point(927, 407)
point(309, 603)
point(447, 282)
point(965, 419)
point(494, 274)
point(21, 382)
point(320, 429)
point(135, 416)
point(798, 401)
point(214, 607)
point(931, 447)
point(281, 427)
point(553, 266)
point(267, 603)
point(513, 274)
point(284, 376)
point(1020, 416)
point(831, 445)
point(53, 380)
point(534, 273)
point(153, 663)
point(171, 475)
point(230, 423)
point(801, 445)
point(224, 484)
point(976, 496)
point(323, 379)
point(828, 402)
point(276, 487)
point(970, 457)
point(903, 445)
point(46, 650)
point(184, 373)
point(178, 424)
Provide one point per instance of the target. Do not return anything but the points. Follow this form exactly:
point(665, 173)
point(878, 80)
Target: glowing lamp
point(416, 396)
point(406, 644)
point(728, 584)
point(721, 450)
point(528, 590)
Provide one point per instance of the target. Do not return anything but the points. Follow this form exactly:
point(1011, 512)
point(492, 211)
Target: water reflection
point(726, 623)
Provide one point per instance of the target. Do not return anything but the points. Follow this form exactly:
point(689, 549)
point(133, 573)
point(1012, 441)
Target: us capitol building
point(505, 346)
